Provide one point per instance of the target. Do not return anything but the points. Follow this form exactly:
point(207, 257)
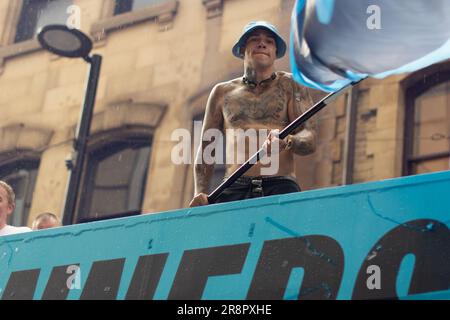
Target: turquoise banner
point(386, 239)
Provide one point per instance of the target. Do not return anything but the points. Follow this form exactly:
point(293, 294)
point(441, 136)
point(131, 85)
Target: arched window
point(427, 129)
point(21, 175)
point(115, 179)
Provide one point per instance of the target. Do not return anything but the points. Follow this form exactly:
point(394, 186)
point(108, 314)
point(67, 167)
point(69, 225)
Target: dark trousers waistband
point(254, 187)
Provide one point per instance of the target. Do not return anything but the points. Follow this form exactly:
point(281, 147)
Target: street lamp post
point(72, 43)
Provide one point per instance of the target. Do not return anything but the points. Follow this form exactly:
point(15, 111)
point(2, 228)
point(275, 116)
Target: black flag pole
point(283, 134)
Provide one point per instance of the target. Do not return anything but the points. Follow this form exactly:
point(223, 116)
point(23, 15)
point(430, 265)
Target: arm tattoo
point(303, 143)
point(213, 119)
point(202, 172)
point(304, 138)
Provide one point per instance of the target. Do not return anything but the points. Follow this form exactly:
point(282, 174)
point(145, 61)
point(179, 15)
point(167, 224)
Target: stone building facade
point(161, 58)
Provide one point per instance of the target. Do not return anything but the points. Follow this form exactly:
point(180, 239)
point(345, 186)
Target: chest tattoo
point(267, 108)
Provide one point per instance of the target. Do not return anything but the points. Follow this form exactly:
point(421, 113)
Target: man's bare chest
point(243, 106)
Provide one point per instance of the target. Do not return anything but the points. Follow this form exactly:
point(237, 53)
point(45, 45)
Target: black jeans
point(254, 187)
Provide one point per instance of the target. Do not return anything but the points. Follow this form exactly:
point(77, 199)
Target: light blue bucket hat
point(281, 45)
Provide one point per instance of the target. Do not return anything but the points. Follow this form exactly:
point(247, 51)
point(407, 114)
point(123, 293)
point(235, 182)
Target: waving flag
point(335, 42)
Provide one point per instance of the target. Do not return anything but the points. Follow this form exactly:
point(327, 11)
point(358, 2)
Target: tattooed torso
point(260, 107)
point(236, 106)
point(266, 106)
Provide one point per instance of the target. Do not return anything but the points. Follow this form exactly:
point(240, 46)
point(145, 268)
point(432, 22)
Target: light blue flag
point(335, 42)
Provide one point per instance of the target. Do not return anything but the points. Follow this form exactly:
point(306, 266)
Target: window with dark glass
point(115, 180)
point(428, 128)
point(36, 14)
point(123, 6)
point(21, 176)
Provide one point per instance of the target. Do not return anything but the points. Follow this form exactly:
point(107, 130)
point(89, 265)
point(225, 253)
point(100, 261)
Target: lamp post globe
point(63, 41)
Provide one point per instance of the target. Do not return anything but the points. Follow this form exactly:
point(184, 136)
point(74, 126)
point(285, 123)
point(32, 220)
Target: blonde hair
point(9, 191)
point(45, 217)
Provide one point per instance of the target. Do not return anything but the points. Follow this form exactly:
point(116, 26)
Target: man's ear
point(11, 208)
point(242, 51)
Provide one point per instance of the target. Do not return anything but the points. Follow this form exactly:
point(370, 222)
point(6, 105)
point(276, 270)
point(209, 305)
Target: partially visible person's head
point(7, 202)
point(46, 220)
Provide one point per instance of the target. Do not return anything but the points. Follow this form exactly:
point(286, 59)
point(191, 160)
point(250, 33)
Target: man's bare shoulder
point(226, 86)
point(221, 90)
point(285, 75)
point(288, 81)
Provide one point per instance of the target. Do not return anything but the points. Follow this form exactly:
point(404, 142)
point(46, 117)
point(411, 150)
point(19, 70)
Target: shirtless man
point(261, 99)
